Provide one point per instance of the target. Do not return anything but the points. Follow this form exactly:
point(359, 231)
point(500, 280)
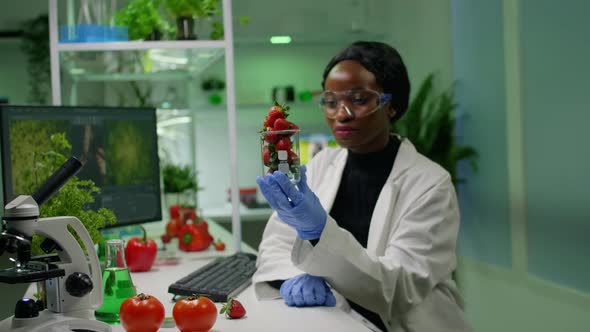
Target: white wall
point(525, 223)
point(419, 29)
point(555, 72)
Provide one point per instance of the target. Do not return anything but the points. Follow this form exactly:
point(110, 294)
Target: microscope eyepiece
point(70, 168)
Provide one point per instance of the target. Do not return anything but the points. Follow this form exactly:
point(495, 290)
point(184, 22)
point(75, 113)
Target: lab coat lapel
point(382, 219)
point(331, 180)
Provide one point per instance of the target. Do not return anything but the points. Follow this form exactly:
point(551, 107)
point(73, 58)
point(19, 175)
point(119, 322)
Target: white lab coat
point(404, 274)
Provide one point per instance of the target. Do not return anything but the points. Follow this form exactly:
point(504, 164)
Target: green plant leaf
point(430, 125)
point(178, 179)
point(142, 18)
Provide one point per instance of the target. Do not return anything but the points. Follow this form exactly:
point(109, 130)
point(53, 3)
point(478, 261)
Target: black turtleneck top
point(362, 180)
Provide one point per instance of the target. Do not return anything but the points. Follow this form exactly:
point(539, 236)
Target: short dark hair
point(386, 64)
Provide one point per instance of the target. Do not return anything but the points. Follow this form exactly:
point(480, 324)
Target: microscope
point(71, 280)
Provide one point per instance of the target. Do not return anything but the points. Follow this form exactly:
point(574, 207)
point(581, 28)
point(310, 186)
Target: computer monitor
point(118, 147)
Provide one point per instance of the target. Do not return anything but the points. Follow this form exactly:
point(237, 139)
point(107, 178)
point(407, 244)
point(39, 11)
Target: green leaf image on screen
point(128, 153)
point(31, 140)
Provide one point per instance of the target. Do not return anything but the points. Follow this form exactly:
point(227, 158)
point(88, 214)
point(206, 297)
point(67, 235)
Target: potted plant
point(72, 199)
point(213, 87)
point(180, 182)
point(430, 125)
point(35, 45)
point(185, 12)
point(142, 19)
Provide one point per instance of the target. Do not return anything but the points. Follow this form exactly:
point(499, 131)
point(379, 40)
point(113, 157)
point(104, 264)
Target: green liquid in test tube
point(116, 281)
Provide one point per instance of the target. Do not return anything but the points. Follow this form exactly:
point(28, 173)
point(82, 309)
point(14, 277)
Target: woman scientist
point(374, 219)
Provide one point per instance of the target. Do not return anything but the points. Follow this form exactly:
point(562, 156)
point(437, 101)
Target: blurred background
point(517, 70)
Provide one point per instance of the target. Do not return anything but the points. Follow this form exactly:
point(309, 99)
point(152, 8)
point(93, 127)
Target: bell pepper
point(194, 237)
point(140, 253)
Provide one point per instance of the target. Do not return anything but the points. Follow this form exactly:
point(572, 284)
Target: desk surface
point(266, 315)
point(224, 213)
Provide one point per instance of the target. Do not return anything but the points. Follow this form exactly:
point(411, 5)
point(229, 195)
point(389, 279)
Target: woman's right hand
point(297, 206)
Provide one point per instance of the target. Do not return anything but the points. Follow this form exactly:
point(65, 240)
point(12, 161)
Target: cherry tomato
point(194, 314)
point(141, 313)
point(219, 245)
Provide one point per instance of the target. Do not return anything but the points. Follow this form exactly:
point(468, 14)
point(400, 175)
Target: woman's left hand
point(297, 206)
point(306, 290)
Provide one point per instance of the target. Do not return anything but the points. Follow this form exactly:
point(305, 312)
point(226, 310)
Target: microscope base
point(52, 322)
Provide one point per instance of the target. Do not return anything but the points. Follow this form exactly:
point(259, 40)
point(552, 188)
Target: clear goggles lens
point(360, 102)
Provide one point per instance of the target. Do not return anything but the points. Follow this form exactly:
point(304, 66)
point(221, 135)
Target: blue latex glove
point(306, 290)
point(297, 206)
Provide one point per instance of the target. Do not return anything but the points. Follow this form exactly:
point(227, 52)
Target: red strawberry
point(266, 155)
point(272, 138)
point(292, 157)
point(274, 114)
point(293, 126)
point(233, 309)
point(283, 144)
point(281, 124)
point(277, 111)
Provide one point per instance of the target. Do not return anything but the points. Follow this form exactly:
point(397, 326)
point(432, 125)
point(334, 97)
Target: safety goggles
point(358, 103)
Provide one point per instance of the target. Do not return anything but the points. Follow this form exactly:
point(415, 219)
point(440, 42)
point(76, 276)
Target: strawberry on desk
point(233, 309)
point(219, 245)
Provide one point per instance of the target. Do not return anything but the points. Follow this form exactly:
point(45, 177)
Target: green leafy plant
point(193, 8)
point(180, 180)
point(35, 45)
point(142, 18)
point(202, 9)
point(217, 27)
point(429, 123)
point(73, 198)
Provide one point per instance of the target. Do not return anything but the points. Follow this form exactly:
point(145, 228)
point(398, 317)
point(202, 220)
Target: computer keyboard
point(219, 280)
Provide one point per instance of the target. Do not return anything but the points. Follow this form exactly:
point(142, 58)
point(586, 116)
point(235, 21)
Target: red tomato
point(219, 245)
point(174, 211)
point(194, 314)
point(173, 227)
point(141, 313)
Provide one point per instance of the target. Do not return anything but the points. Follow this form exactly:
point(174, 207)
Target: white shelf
point(124, 77)
point(140, 45)
point(62, 51)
